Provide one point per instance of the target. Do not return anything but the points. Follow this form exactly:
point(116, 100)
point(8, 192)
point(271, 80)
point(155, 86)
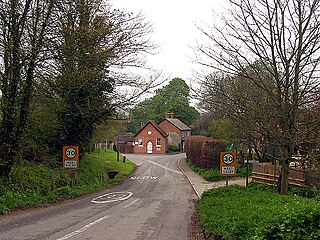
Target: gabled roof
point(176, 122)
point(155, 126)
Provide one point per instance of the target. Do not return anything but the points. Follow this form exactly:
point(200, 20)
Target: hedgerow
point(237, 212)
point(204, 151)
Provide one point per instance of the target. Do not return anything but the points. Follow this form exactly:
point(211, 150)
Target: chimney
point(169, 115)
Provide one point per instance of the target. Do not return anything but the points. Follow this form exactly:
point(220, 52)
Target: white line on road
point(114, 198)
point(166, 168)
point(133, 202)
point(81, 230)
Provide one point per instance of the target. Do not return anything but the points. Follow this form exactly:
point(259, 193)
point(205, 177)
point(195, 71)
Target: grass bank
point(31, 186)
point(256, 212)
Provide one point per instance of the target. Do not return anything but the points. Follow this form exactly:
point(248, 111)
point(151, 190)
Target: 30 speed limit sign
point(70, 159)
point(228, 163)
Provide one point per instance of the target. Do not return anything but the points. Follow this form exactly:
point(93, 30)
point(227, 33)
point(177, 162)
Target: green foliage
point(173, 148)
point(214, 174)
point(33, 185)
point(221, 129)
point(253, 212)
point(307, 192)
point(40, 140)
point(173, 97)
point(83, 83)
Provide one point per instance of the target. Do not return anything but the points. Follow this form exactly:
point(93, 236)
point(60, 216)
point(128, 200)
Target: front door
point(149, 147)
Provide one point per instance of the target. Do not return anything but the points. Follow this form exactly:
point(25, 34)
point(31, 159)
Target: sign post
point(70, 160)
point(228, 164)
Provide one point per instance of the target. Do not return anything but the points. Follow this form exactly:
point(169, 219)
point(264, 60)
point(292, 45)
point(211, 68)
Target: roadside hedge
point(256, 212)
point(204, 151)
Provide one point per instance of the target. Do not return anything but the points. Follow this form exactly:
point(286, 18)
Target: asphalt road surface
point(156, 202)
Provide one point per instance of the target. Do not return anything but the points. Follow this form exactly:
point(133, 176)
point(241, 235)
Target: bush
point(204, 151)
point(255, 212)
point(30, 186)
point(214, 174)
point(173, 148)
point(193, 149)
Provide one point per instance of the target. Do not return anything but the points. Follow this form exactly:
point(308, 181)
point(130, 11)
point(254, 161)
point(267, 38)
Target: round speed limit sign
point(71, 152)
point(228, 158)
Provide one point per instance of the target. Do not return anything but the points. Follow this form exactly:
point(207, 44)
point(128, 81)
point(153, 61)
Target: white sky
point(174, 30)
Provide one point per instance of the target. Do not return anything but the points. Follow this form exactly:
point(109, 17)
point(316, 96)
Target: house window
point(158, 141)
point(140, 141)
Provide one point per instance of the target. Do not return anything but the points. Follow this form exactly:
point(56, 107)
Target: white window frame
point(158, 145)
point(140, 141)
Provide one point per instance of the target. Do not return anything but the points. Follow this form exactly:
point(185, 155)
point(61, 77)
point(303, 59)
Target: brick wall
point(150, 138)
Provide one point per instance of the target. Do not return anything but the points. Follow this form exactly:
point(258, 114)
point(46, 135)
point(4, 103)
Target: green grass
point(256, 212)
point(214, 174)
point(30, 186)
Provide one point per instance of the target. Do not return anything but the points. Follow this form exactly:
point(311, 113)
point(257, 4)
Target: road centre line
point(166, 168)
point(81, 230)
point(133, 202)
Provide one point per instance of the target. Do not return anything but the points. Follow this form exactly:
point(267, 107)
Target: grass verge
point(214, 174)
point(31, 186)
point(256, 212)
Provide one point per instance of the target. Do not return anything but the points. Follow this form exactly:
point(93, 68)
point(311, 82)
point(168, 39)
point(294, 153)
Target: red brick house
point(150, 139)
point(176, 130)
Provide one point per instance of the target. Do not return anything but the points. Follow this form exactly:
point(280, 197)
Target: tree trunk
point(6, 159)
point(284, 180)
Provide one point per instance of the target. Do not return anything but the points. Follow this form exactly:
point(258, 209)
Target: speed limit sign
point(228, 163)
point(70, 159)
point(71, 152)
point(228, 158)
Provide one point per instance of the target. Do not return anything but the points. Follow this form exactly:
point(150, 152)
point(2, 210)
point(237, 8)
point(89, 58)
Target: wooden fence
point(264, 173)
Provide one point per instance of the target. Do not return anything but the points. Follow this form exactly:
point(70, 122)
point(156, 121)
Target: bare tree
point(22, 36)
point(273, 47)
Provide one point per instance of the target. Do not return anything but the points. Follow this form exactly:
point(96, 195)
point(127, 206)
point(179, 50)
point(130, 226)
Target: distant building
point(176, 130)
point(154, 138)
point(150, 139)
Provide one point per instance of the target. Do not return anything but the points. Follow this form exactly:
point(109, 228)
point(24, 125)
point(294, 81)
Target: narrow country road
point(155, 203)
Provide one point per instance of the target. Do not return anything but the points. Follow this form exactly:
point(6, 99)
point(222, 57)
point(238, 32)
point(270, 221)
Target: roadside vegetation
point(214, 174)
point(34, 185)
point(257, 212)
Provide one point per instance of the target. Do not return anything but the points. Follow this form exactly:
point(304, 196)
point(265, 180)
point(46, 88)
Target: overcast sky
point(174, 30)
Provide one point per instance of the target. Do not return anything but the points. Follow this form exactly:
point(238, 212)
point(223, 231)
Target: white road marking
point(122, 196)
point(144, 177)
point(133, 202)
point(81, 230)
point(166, 168)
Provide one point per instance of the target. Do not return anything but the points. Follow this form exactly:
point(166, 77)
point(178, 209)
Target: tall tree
point(23, 34)
point(273, 47)
point(94, 40)
point(173, 97)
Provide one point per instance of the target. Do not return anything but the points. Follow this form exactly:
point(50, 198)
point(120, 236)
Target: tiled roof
point(156, 127)
point(176, 122)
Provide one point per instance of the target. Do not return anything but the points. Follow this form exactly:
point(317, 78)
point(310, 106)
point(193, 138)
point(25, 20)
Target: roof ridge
point(184, 126)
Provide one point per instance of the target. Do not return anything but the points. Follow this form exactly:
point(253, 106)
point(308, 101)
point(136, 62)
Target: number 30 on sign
point(228, 163)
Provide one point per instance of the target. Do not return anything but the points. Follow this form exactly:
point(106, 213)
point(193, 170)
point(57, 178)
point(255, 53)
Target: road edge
point(192, 185)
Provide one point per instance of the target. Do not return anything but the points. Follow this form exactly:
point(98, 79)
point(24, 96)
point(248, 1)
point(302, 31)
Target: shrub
point(214, 174)
point(255, 212)
point(29, 186)
point(204, 151)
point(173, 148)
point(211, 149)
point(193, 149)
